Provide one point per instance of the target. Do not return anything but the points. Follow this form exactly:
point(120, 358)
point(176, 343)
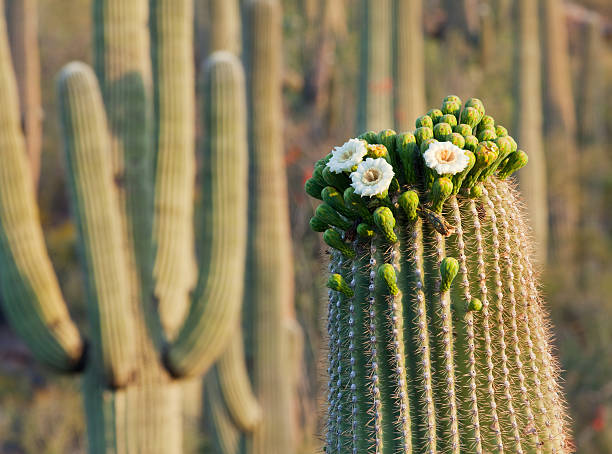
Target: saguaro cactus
point(376, 84)
point(268, 302)
point(143, 336)
point(438, 341)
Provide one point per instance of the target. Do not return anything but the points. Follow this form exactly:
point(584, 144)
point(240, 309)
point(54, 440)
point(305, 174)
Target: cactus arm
point(269, 303)
point(96, 211)
point(233, 378)
point(217, 298)
point(376, 85)
point(174, 268)
point(31, 294)
point(226, 434)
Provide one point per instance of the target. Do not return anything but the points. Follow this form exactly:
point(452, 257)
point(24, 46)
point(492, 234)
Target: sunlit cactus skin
point(438, 341)
point(128, 142)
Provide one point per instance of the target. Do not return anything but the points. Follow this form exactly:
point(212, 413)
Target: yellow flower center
point(446, 156)
point(371, 176)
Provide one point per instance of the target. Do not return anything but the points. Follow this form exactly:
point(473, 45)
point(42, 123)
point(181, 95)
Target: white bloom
point(445, 158)
point(372, 177)
point(347, 156)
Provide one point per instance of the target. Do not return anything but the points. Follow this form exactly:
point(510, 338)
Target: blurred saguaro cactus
point(129, 148)
point(408, 62)
point(225, 26)
point(560, 136)
point(269, 319)
point(528, 120)
point(22, 21)
point(438, 341)
point(376, 78)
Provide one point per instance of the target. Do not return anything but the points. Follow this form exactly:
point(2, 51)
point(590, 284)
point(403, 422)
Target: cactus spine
point(269, 295)
point(529, 124)
point(376, 85)
point(138, 348)
point(408, 62)
point(438, 341)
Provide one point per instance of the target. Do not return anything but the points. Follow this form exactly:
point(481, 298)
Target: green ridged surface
point(209, 324)
point(96, 210)
point(269, 286)
point(408, 62)
point(174, 268)
point(375, 109)
point(433, 375)
point(31, 295)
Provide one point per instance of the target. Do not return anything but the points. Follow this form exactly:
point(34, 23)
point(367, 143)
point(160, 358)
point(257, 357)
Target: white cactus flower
point(446, 158)
point(347, 156)
point(372, 177)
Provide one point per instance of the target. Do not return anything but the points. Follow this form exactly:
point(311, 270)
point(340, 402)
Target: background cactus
point(132, 205)
point(376, 81)
point(438, 340)
point(528, 123)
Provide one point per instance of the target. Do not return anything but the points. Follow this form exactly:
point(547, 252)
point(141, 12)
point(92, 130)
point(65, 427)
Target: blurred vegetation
point(470, 55)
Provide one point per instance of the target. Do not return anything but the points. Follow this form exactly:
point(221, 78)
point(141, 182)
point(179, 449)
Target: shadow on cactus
point(438, 341)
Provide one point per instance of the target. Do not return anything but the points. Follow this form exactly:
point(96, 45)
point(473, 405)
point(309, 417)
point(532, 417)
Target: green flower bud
point(386, 273)
point(470, 116)
point(409, 201)
point(486, 153)
point(459, 177)
point(475, 191)
point(384, 220)
point(440, 191)
point(456, 139)
point(425, 145)
point(332, 239)
point(376, 150)
point(317, 176)
point(422, 134)
point(452, 98)
point(487, 122)
point(505, 145)
point(514, 162)
point(442, 130)
point(463, 129)
point(369, 137)
point(365, 231)
point(486, 134)
point(313, 189)
point(450, 119)
point(452, 108)
point(501, 131)
point(336, 282)
point(514, 144)
point(318, 225)
point(424, 121)
point(341, 181)
point(328, 215)
point(407, 150)
point(357, 204)
point(323, 161)
point(435, 115)
point(474, 305)
point(477, 104)
point(471, 143)
point(448, 270)
point(334, 199)
point(387, 138)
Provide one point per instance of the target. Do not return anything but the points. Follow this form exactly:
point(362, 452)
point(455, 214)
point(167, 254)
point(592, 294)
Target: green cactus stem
point(438, 341)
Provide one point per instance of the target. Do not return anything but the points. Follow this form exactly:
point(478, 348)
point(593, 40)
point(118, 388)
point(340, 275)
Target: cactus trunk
point(269, 284)
point(438, 339)
point(528, 115)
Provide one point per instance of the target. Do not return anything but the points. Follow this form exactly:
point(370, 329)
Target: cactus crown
point(437, 338)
